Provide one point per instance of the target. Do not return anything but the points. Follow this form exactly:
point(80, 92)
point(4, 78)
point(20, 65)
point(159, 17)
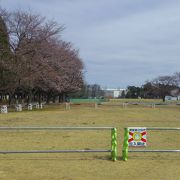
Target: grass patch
point(93, 165)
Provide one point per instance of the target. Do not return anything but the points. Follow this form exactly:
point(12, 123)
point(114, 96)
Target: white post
point(37, 106)
point(41, 106)
point(153, 105)
point(68, 107)
point(124, 105)
point(30, 107)
point(96, 105)
point(18, 107)
point(4, 109)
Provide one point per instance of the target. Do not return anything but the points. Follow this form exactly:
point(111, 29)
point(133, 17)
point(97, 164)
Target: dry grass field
point(89, 166)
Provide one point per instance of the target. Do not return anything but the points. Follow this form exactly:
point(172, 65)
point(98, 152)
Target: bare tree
point(163, 85)
point(27, 32)
point(42, 62)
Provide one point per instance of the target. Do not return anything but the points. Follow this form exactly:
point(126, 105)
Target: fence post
point(19, 107)
point(114, 144)
point(68, 106)
point(153, 105)
point(4, 109)
point(125, 105)
point(96, 105)
point(30, 107)
point(125, 145)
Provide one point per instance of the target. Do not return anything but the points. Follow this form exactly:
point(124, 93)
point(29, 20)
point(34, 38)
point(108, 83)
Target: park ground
point(90, 166)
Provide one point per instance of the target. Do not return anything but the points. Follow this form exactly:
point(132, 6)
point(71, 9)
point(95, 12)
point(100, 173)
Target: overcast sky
point(121, 42)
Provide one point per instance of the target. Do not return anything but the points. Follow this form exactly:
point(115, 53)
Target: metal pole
point(54, 151)
point(158, 150)
point(162, 128)
point(54, 128)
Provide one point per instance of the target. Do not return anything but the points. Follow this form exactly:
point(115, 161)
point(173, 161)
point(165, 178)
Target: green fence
point(81, 101)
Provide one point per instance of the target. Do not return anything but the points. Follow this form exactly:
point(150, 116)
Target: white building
point(172, 98)
point(114, 93)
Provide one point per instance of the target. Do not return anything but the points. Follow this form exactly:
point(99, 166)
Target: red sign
point(137, 136)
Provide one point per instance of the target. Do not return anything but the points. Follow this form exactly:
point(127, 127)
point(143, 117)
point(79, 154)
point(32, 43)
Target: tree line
point(157, 88)
point(35, 63)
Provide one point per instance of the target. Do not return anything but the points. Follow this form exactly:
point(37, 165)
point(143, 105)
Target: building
point(172, 98)
point(114, 93)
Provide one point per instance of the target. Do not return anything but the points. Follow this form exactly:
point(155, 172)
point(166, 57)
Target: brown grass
point(90, 166)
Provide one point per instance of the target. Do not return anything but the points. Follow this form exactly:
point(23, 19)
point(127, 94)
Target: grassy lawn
point(89, 166)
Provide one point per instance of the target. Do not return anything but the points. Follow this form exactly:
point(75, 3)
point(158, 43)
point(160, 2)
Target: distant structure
point(114, 93)
point(172, 98)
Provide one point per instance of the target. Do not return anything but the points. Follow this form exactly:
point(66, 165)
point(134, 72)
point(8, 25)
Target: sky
point(121, 42)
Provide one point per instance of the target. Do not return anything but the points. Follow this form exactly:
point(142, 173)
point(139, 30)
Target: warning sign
point(137, 136)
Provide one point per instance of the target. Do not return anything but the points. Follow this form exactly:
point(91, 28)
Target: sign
point(137, 136)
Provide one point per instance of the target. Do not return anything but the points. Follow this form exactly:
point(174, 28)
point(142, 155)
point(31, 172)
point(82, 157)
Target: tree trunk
point(10, 99)
point(48, 97)
point(30, 97)
point(39, 97)
point(163, 98)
